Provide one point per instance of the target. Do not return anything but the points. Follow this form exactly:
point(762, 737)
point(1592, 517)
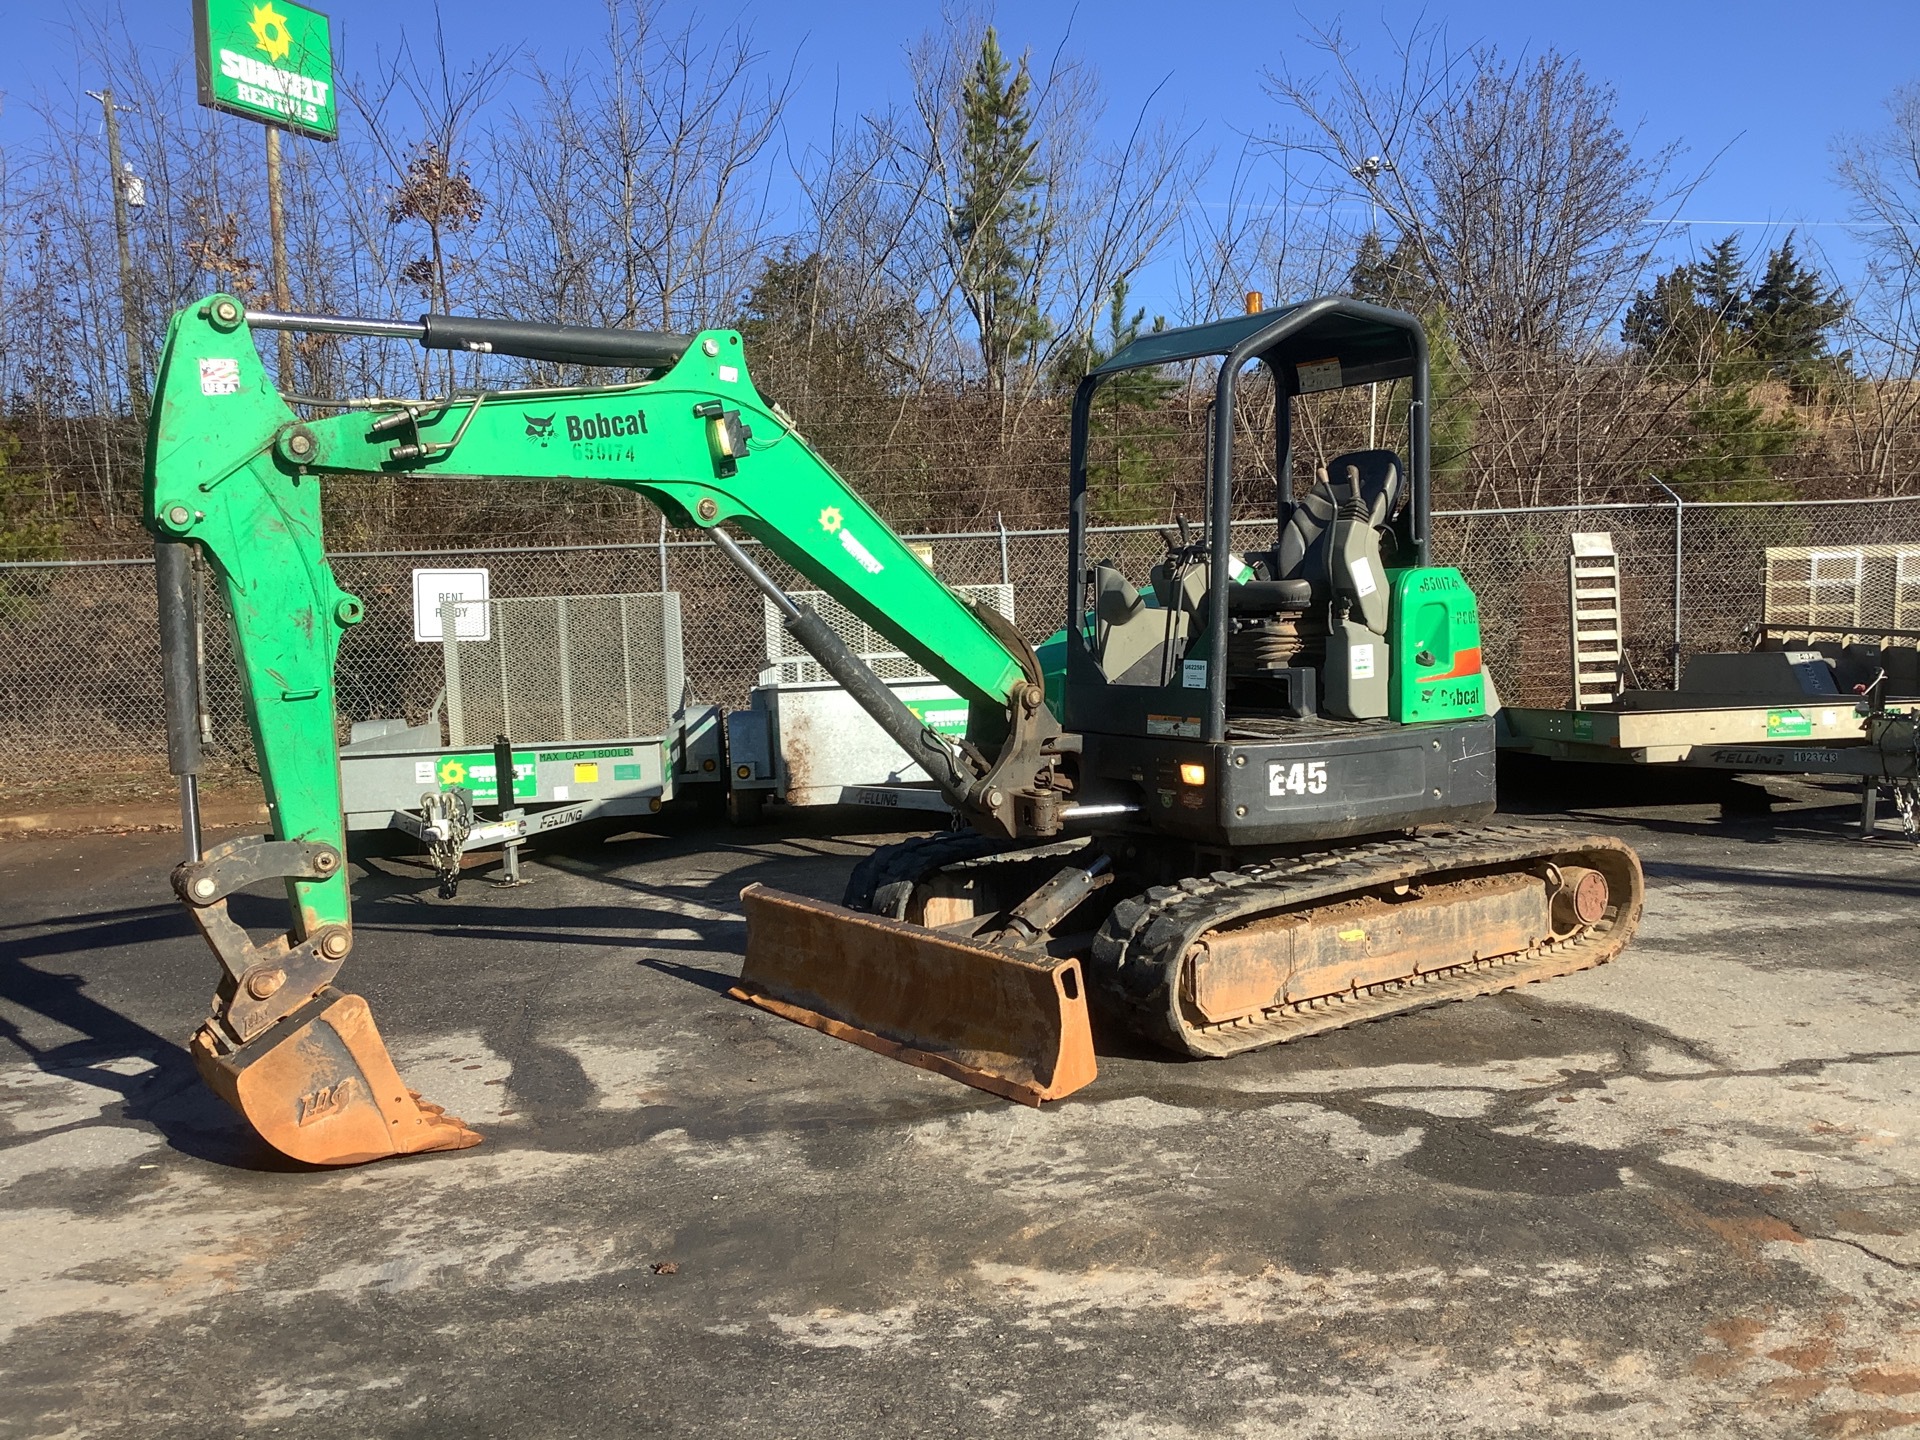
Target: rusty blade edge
point(895, 1050)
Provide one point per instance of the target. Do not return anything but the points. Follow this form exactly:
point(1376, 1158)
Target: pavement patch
point(624, 1077)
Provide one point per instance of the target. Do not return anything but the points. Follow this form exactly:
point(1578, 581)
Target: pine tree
point(1734, 443)
point(809, 326)
point(1388, 277)
point(1393, 278)
point(999, 224)
point(1709, 309)
point(1454, 417)
point(1667, 317)
point(1129, 411)
point(1702, 314)
point(1790, 311)
point(1720, 282)
point(1369, 278)
point(1697, 310)
point(29, 530)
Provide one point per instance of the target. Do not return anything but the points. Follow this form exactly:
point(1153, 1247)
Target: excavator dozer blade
point(320, 1087)
point(1014, 1025)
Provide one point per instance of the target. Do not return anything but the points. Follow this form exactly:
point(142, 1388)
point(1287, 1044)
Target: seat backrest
point(1302, 553)
point(1132, 643)
point(1115, 600)
point(1382, 477)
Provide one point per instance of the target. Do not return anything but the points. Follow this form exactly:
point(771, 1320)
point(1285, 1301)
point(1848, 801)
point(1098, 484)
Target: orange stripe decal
point(1465, 662)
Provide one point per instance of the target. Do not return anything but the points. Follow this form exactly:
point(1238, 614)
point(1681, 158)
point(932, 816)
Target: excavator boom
point(234, 472)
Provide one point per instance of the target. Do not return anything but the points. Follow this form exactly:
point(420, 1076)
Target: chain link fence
point(80, 707)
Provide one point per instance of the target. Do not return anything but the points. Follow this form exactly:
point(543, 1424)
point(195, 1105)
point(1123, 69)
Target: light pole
point(1368, 173)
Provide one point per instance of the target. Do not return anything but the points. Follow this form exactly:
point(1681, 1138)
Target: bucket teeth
point(320, 1088)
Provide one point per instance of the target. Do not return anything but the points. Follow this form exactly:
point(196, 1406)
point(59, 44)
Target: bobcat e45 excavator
point(1243, 802)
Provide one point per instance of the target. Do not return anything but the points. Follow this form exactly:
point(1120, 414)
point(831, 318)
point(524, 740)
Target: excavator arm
point(234, 472)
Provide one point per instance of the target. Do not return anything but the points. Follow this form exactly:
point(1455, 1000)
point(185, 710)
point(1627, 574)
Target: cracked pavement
point(1675, 1196)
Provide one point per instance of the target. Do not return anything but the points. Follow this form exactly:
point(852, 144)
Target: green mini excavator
point(1245, 800)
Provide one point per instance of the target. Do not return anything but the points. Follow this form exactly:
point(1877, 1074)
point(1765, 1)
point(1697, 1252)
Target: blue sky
point(1758, 90)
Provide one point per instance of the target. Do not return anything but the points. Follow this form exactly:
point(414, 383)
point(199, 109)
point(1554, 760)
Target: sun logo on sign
point(270, 32)
point(830, 519)
point(452, 772)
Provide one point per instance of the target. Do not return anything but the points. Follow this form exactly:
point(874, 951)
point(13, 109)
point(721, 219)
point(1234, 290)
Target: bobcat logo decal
point(540, 427)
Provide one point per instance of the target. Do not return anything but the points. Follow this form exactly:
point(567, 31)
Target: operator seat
point(1360, 486)
point(1128, 630)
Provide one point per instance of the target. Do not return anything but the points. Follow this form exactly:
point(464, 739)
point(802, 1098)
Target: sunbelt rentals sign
point(267, 60)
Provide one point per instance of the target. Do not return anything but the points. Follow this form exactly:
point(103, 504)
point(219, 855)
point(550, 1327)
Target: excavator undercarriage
point(1206, 964)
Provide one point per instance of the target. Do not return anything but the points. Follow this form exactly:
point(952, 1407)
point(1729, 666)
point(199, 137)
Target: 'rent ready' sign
point(267, 60)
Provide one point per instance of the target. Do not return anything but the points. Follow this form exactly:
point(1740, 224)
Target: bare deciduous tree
point(1881, 175)
point(646, 165)
point(1529, 208)
point(1526, 212)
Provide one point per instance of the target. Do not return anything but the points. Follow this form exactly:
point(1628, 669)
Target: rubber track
point(1138, 953)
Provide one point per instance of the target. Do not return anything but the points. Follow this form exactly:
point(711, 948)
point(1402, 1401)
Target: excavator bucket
point(1007, 1023)
point(320, 1087)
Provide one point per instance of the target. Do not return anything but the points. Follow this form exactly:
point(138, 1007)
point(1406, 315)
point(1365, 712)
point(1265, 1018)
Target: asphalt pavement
point(1675, 1196)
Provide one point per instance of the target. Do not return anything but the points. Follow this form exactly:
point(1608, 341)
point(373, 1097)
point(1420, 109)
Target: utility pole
point(123, 234)
point(1368, 173)
point(277, 224)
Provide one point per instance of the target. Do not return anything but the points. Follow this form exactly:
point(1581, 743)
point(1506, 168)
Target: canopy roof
point(1339, 340)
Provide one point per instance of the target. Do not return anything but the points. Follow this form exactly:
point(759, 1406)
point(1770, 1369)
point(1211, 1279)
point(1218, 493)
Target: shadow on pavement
point(170, 1097)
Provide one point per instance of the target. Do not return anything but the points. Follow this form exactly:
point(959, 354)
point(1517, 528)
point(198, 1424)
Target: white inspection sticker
point(219, 375)
point(1360, 663)
point(423, 772)
point(1362, 571)
point(1318, 375)
point(729, 374)
point(1193, 674)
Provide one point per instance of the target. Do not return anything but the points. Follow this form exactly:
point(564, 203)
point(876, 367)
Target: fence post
point(664, 587)
point(450, 660)
point(1679, 569)
point(1006, 573)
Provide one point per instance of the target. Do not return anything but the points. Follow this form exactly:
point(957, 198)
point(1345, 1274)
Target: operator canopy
point(1322, 344)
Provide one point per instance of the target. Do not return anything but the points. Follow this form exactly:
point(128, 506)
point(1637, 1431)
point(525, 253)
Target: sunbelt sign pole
point(269, 61)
